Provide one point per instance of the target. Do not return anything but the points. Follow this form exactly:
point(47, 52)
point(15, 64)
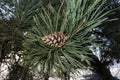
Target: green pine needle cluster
point(75, 19)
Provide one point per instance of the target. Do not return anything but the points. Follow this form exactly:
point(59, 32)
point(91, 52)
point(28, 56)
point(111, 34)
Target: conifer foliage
point(59, 39)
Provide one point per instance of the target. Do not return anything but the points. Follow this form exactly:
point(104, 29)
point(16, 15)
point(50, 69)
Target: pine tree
point(15, 19)
point(108, 34)
point(60, 37)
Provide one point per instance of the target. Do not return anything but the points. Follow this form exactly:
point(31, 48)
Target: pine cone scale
point(56, 39)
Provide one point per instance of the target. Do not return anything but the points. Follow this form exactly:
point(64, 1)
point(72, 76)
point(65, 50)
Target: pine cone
point(56, 39)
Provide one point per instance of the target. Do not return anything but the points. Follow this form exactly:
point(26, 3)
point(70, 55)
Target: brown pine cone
point(56, 39)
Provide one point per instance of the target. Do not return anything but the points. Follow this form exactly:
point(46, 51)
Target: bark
point(66, 76)
point(46, 77)
point(101, 69)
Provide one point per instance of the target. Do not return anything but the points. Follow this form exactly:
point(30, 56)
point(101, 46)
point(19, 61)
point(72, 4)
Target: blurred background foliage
point(16, 19)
